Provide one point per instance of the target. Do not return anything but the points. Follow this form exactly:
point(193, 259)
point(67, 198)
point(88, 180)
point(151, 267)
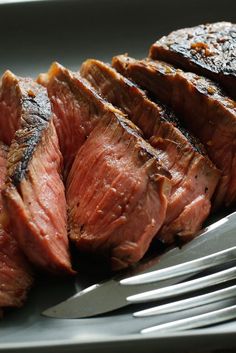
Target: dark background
point(34, 34)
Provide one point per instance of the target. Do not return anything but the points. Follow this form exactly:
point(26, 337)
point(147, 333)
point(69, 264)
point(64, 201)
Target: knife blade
point(110, 295)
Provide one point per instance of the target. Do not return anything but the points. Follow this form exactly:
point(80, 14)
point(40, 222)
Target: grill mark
point(205, 49)
point(35, 116)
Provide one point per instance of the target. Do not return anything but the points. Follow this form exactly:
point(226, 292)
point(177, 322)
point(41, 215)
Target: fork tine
point(184, 268)
point(185, 287)
point(202, 320)
point(189, 303)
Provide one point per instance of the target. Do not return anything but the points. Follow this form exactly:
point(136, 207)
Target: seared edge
point(208, 49)
point(34, 117)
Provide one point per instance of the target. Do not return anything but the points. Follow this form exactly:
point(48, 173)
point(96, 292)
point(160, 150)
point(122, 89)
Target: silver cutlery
point(220, 276)
point(159, 278)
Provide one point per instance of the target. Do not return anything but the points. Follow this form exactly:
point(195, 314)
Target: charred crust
point(30, 144)
point(38, 109)
point(35, 116)
point(211, 46)
point(202, 85)
point(207, 49)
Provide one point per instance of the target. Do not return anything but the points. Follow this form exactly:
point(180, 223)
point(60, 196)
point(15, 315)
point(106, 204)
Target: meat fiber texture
point(116, 189)
point(194, 177)
point(34, 195)
point(208, 49)
point(203, 107)
point(70, 115)
point(15, 272)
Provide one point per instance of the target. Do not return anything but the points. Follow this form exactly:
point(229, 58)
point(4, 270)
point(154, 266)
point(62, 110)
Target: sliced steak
point(194, 177)
point(206, 49)
point(70, 116)
point(34, 194)
point(204, 108)
point(116, 189)
point(15, 273)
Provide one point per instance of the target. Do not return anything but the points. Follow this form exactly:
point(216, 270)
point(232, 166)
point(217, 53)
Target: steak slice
point(206, 49)
point(116, 189)
point(194, 177)
point(70, 116)
point(34, 193)
point(203, 107)
point(15, 273)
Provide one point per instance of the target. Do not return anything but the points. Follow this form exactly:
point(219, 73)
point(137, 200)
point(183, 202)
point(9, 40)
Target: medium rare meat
point(15, 273)
point(34, 192)
point(116, 189)
point(194, 177)
point(206, 49)
point(70, 116)
point(204, 108)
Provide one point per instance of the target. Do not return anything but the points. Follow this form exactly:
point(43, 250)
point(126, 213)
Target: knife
point(110, 295)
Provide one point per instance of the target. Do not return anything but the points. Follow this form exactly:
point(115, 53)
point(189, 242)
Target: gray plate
point(32, 36)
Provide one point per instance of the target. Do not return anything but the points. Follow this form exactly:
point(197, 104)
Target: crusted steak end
point(208, 49)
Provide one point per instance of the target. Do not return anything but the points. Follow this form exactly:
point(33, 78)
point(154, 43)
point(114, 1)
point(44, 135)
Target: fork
point(204, 281)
